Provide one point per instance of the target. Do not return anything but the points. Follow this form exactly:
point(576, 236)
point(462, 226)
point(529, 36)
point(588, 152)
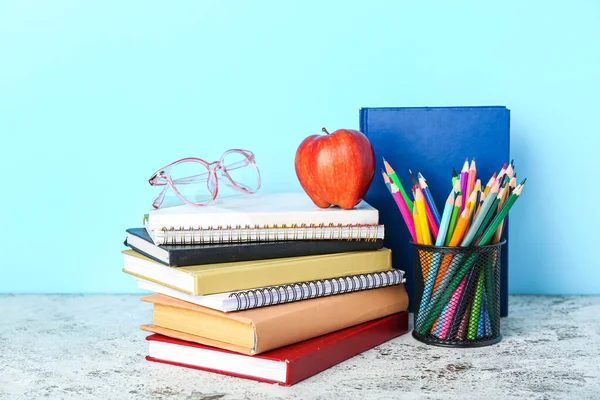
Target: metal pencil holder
point(457, 293)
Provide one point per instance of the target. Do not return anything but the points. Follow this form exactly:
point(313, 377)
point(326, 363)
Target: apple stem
point(325, 130)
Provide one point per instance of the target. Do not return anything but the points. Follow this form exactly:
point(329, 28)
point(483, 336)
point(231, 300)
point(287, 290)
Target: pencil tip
point(523, 181)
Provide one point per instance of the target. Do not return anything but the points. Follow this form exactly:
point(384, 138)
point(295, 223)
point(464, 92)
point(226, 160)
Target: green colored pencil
point(454, 176)
point(488, 217)
point(392, 174)
point(489, 232)
point(475, 307)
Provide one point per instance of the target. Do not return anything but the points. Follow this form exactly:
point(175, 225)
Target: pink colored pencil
point(432, 224)
point(406, 215)
point(452, 309)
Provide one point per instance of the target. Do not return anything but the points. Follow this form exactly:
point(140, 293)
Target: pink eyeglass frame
point(162, 177)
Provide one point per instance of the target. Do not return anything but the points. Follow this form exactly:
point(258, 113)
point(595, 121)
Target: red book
point(286, 365)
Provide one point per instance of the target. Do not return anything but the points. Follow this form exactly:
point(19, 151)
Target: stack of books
point(267, 287)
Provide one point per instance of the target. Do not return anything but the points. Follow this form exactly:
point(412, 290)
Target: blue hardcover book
point(433, 140)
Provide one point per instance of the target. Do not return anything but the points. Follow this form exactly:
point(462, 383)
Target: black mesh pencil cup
point(457, 295)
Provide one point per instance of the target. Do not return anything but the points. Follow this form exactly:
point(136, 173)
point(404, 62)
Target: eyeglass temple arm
point(160, 198)
point(204, 176)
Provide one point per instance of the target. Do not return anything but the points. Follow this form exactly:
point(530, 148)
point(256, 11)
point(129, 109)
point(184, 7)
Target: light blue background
point(95, 96)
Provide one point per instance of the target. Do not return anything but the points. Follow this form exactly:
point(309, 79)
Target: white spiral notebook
point(268, 296)
point(262, 217)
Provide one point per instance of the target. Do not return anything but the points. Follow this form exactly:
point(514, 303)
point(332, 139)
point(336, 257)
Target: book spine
point(273, 295)
point(237, 234)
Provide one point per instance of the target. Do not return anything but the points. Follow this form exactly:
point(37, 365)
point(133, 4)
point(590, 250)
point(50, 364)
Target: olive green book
point(226, 277)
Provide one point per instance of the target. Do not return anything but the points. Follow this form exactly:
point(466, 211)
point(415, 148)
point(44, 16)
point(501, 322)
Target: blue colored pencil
point(429, 199)
point(488, 323)
point(387, 180)
point(481, 324)
point(436, 332)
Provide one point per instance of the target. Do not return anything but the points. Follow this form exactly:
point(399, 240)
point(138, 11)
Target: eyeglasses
point(195, 181)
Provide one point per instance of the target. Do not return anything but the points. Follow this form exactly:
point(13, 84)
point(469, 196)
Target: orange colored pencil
point(461, 225)
point(503, 194)
point(490, 184)
point(472, 177)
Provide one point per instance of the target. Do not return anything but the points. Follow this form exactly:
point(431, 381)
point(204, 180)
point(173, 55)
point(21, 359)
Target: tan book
point(227, 277)
point(258, 330)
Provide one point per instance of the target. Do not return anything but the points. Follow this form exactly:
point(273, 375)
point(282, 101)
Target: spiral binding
point(273, 295)
point(248, 233)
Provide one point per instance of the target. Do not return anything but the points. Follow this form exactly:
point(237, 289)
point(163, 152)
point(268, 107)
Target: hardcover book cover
point(433, 140)
point(284, 366)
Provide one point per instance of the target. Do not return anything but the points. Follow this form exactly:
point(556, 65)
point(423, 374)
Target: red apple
point(335, 168)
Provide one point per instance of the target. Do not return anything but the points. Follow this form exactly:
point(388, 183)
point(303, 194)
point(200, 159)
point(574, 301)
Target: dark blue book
point(433, 140)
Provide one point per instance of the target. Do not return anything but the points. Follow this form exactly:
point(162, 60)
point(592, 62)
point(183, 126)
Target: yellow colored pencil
point(417, 223)
point(420, 203)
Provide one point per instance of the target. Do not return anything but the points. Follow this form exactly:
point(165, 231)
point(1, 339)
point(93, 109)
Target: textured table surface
point(89, 346)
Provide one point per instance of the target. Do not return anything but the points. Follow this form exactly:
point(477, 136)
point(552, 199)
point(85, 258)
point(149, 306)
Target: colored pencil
point(461, 225)
point(477, 193)
point(456, 187)
point(417, 224)
point(392, 174)
point(481, 321)
point(464, 323)
point(512, 184)
point(510, 171)
point(435, 330)
point(445, 222)
point(480, 200)
point(487, 322)
point(413, 178)
point(433, 227)
point(505, 195)
point(453, 218)
point(471, 234)
point(454, 176)
point(490, 184)
point(386, 180)
point(429, 199)
point(475, 307)
point(408, 221)
point(420, 203)
point(494, 208)
point(464, 178)
point(472, 177)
